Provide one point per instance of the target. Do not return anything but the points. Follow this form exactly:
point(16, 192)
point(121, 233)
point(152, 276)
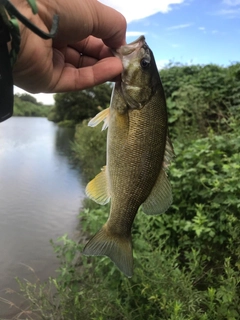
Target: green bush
point(89, 148)
point(201, 98)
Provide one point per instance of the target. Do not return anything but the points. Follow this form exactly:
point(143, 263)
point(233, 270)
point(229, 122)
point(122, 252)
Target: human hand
point(79, 56)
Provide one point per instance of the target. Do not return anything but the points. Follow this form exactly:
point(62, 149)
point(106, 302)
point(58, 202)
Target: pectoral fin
point(101, 116)
point(160, 198)
point(97, 189)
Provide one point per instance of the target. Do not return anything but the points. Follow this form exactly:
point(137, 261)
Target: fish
point(139, 152)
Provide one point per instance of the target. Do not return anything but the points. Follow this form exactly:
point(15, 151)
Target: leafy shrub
point(201, 98)
point(89, 148)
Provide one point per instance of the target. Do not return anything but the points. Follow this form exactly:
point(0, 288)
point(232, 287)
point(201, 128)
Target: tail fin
point(117, 248)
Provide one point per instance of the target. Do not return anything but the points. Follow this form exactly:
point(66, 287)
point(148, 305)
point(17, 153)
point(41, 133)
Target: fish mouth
point(129, 48)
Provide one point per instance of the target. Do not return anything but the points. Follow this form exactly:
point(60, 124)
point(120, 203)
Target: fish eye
point(144, 63)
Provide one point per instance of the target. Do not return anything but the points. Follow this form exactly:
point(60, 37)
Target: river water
point(40, 196)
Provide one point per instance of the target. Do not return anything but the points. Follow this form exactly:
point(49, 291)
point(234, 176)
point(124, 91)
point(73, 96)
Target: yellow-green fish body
point(138, 152)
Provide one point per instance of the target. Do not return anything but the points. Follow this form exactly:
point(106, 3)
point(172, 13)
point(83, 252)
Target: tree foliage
point(29, 98)
point(27, 106)
point(80, 105)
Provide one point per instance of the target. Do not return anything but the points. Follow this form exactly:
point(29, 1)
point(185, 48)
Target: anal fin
point(160, 197)
point(168, 154)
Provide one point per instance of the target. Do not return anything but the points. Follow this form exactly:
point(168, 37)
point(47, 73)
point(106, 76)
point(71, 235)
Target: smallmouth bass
point(138, 154)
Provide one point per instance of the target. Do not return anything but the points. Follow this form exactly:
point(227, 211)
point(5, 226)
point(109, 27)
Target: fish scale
point(138, 154)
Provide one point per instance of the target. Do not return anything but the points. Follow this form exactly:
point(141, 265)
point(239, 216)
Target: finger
point(68, 78)
point(79, 19)
point(93, 47)
point(110, 26)
point(76, 59)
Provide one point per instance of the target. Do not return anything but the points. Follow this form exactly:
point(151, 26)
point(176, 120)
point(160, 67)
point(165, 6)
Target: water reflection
point(62, 138)
point(40, 196)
